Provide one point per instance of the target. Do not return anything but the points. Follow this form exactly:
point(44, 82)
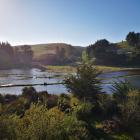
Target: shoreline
point(104, 69)
point(72, 69)
point(107, 69)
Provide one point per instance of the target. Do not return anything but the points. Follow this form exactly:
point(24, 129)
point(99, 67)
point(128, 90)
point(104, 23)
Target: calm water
point(109, 78)
point(35, 76)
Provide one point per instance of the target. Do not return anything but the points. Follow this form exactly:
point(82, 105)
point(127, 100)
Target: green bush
point(129, 111)
point(75, 129)
point(7, 128)
point(64, 103)
point(39, 123)
point(105, 106)
point(83, 111)
point(120, 90)
point(30, 93)
point(84, 85)
point(51, 101)
point(128, 105)
point(18, 106)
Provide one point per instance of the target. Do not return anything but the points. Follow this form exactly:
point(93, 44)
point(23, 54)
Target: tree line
point(11, 57)
point(102, 52)
point(124, 53)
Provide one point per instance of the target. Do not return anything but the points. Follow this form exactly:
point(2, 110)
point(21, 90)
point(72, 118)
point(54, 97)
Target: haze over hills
point(56, 53)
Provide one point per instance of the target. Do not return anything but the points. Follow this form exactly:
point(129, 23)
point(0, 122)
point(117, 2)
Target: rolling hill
point(56, 53)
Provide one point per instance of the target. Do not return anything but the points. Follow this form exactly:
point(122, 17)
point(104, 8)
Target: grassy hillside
point(41, 49)
point(123, 44)
point(56, 53)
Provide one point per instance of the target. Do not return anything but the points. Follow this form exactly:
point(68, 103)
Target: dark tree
point(30, 93)
point(133, 38)
point(6, 55)
point(102, 43)
point(100, 46)
point(6, 47)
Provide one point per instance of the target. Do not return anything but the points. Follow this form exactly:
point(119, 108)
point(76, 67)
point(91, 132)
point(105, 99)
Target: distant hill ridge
point(56, 53)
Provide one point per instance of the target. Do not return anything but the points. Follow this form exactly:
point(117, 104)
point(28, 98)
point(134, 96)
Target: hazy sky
point(78, 22)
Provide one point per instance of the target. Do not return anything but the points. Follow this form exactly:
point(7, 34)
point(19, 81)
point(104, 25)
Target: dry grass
point(61, 69)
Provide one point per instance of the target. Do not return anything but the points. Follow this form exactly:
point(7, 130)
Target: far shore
point(72, 69)
point(104, 69)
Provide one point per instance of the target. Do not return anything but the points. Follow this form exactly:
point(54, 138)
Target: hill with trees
point(56, 53)
point(125, 53)
point(102, 52)
point(26, 55)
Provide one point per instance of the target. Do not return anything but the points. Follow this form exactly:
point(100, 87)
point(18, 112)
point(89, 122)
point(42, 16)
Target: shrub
point(7, 128)
point(130, 111)
point(39, 123)
point(75, 129)
point(120, 90)
point(74, 102)
point(128, 105)
point(18, 106)
point(9, 98)
point(30, 93)
point(64, 103)
point(84, 85)
point(83, 111)
point(105, 106)
point(51, 101)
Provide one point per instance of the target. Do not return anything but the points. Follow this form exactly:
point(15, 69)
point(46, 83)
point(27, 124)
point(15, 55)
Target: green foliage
point(75, 129)
point(18, 106)
point(7, 128)
point(133, 38)
point(105, 106)
point(85, 58)
point(48, 100)
point(83, 111)
point(105, 53)
point(7, 98)
point(28, 90)
point(120, 89)
point(41, 116)
point(122, 137)
point(100, 46)
point(125, 53)
point(129, 110)
point(38, 123)
point(84, 84)
point(74, 102)
point(128, 105)
point(64, 103)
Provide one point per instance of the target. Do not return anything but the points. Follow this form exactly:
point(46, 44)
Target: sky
point(76, 22)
